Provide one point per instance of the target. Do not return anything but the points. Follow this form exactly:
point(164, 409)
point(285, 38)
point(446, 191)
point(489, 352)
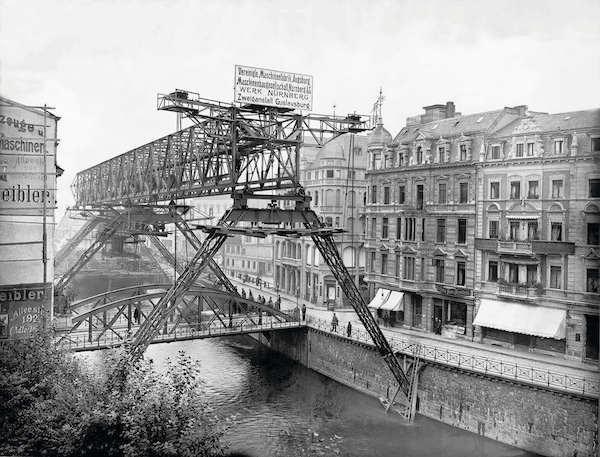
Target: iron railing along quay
point(511, 371)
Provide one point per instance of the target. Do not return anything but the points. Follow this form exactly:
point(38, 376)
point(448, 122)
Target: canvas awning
point(394, 301)
point(520, 318)
point(379, 298)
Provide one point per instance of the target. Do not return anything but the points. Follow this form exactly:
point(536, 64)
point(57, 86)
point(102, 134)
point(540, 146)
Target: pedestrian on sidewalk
point(243, 293)
point(349, 330)
point(303, 311)
point(270, 302)
point(250, 297)
point(334, 323)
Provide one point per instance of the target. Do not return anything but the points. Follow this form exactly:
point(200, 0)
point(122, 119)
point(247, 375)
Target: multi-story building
point(334, 179)
point(486, 225)
point(538, 235)
point(421, 216)
point(251, 258)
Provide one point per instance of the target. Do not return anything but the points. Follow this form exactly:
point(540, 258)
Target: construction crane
point(249, 152)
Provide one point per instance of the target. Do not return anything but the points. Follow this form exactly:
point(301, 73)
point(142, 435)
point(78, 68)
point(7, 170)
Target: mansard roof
point(456, 126)
point(544, 122)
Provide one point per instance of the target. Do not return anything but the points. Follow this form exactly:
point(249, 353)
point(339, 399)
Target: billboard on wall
point(23, 309)
point(26, 233)
point(260, 86)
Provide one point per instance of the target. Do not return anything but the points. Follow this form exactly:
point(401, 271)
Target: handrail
point(493, 367)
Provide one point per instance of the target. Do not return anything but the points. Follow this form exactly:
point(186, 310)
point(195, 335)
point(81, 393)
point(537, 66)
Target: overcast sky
point(102, 63)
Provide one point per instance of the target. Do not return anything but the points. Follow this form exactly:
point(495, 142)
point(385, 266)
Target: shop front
point(449, 318)
point(388, 307)
point(521, 326)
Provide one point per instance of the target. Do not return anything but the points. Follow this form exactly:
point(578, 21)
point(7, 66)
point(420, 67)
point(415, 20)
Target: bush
point(51, 405)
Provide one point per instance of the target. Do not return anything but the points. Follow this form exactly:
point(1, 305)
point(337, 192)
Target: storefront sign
point(23, 309)
point(259, 86)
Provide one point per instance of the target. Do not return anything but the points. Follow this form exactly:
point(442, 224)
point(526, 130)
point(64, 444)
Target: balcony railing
point(515, 247)
point(518, 289)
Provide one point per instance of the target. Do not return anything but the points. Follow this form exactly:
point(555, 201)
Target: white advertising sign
point(259, 86)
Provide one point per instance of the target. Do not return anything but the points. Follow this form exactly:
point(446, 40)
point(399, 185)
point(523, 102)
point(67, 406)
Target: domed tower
point(377, 141)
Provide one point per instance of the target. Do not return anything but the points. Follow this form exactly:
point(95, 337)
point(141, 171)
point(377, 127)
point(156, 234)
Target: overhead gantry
point(248, 152)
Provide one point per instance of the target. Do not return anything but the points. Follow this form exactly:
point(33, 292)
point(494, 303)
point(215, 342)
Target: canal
point(275, 407)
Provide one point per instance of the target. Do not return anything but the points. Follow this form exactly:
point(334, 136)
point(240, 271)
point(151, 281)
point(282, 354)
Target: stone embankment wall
point(538, 420)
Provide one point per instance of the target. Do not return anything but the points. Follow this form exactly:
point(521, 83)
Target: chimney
point(519, 110)
point(450, 109)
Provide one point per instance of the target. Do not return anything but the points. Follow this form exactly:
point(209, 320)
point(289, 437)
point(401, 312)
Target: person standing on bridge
point(334, 323)
point(250, 297)
point(349, 330)
point(303, 311)
point(271, 302)
point(278, 303)
point(243, 293)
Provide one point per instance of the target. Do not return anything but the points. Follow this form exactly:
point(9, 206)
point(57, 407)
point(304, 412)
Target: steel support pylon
point(328, 250)
point(103, 236)
point(169, 302)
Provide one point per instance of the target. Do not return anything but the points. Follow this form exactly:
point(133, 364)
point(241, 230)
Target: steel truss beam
point(103, 236)
point(71, 244)
point(228, 149)
point(127, 221)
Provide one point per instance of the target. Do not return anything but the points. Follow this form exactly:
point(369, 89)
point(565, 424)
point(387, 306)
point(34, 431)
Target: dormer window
point(442, 154)
point(463, 152)
point(530, 147)
point(558, 146)
point(495, 152)
point(519, 152)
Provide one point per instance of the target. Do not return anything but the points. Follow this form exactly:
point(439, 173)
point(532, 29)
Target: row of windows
point(328, 197)
point(530, 278)
point(529, 231)
point(407, 231)
point(463, 194)
point(408, 268)
point(533, 190)
point(418, 157)
point(330, 173)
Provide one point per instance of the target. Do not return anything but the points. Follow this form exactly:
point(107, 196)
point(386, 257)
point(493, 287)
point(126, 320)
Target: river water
point(274, 407)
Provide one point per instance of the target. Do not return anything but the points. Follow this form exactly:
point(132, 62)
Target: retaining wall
point(531, 418)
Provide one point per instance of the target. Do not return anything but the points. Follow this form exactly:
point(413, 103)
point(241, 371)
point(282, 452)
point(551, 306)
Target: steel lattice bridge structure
point(247, 152)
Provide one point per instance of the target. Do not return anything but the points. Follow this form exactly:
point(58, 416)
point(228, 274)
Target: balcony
point(553, 247)
point(519, 290)
point(515, 247)
point(525, 247)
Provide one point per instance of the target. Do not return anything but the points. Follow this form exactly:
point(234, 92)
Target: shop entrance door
point(522, 342)
point(437, 319)
point(591, 337)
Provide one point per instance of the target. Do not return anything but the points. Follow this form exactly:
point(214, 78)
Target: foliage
point(51, 405)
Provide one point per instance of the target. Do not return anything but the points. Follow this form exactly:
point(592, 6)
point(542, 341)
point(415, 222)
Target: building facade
point(538, 237)
point(485, 222)
point(334, 179)
point(28, 171)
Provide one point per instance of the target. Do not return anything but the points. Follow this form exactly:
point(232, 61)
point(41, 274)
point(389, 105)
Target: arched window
point(337, 197)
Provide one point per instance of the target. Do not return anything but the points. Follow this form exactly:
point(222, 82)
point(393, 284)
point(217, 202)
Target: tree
point(50, 404)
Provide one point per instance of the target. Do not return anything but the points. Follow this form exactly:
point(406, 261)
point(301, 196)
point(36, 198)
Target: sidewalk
point(465, 348)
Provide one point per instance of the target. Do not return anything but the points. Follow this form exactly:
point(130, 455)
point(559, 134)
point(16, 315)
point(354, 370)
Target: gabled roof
point(8, 102)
